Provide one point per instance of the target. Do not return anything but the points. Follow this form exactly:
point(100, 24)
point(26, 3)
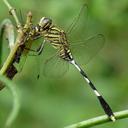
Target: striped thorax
point(57, 38)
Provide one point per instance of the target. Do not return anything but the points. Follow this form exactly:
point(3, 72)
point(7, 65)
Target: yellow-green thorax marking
point(56, 37)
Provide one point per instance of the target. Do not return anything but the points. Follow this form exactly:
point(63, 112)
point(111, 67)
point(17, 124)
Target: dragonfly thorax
point(58, 39)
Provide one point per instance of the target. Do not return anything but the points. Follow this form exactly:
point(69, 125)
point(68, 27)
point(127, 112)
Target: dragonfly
point(57, 38)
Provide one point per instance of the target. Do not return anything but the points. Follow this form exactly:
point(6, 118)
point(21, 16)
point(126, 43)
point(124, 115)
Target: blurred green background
point(55, 103)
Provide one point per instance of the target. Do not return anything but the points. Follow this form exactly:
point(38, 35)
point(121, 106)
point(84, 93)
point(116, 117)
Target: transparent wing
point(81, 31)
point(76, 20)
point(55, 67)
point(78, 27)
point(85, 50)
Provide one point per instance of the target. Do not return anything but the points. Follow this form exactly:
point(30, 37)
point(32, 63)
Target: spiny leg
point(38, 51)
point(102, 101)
point(41, 47)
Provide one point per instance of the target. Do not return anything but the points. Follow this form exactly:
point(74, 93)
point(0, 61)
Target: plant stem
point(15, 109)
point(99, 120)
point(20, 40)
point(13, 12)
point(20, 37)
point(11, 55)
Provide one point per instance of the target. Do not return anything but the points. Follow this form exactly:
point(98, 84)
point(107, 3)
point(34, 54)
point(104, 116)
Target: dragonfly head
point(45, 23)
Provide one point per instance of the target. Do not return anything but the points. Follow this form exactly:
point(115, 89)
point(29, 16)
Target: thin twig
point(11, 55)
point(13, 13)
point(99, 120)
point(20, 40)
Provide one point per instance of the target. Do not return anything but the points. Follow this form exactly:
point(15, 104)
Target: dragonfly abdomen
point(65, 54)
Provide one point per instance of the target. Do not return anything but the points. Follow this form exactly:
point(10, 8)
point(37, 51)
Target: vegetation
point(56, 103)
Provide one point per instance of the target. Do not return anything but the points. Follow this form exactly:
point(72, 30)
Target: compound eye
point(45, 23)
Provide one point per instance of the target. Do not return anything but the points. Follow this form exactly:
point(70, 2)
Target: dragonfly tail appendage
point(106, 108)
point(102, 101)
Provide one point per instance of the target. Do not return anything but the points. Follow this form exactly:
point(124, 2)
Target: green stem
point(11, 55)
point(19, 40)
point(13, 12)
point(1, 45)
point(15, 109)
point(99, 120)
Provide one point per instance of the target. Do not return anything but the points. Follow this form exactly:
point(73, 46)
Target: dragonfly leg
point(41, 47)
point(38, 51)
point(36, 37)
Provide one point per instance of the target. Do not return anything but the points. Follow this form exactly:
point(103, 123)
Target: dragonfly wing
point(55, 67)
point(79, 24)
point(85, 50)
